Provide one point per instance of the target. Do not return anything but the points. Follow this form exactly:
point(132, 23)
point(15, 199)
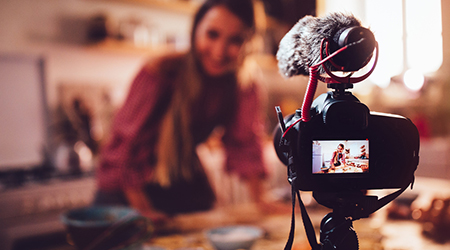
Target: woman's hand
point(139, 201)
point(159, 219)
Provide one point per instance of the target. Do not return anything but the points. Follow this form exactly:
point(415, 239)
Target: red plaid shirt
point(129, 156)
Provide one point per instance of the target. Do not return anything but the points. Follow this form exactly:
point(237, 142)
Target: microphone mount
point(340, 83)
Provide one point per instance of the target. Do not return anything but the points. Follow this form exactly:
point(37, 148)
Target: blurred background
point(66, 65)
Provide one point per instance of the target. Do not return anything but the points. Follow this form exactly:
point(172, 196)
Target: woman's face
point(219, 38)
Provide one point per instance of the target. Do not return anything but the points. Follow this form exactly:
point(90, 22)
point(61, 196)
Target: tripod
point(336, 228)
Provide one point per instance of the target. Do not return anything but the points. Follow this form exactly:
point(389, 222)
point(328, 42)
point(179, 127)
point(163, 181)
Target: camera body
point(382, 149)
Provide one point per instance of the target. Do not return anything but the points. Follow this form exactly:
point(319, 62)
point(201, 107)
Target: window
point(409, 33)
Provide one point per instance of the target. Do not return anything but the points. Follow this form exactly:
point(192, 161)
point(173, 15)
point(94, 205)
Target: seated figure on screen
point(338, 158)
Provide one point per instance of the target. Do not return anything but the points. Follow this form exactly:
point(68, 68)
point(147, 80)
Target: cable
point(311, 89)
point(312, 84)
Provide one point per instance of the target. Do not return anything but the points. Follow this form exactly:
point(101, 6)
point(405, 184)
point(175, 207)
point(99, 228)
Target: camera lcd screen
point(340, 156)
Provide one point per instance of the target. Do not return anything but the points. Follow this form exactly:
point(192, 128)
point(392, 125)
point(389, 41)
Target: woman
point(338, 157)
point(174, 104)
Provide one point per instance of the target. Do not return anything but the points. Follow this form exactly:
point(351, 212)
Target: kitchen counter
point(190, 231)
point(378, 232)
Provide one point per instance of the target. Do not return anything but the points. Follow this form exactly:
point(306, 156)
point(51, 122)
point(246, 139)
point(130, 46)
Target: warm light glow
point(413, 79)
point(387, 29)
point(424, 35)
point(423, 39)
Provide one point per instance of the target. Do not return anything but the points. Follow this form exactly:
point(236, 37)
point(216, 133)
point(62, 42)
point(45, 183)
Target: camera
point(382, 149)
point(334, 145)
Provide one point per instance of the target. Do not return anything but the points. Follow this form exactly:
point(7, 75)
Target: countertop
point(378, 232)
point(374, 233)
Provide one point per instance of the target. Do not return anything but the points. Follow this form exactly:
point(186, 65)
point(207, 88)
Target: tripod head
point(336, 228)
point(337, 233)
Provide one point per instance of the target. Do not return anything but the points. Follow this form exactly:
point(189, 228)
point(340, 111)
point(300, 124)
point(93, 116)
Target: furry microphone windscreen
point(300, 47)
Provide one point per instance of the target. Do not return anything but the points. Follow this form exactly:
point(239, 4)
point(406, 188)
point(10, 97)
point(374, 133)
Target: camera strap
point(310, 233)
point(372, 207)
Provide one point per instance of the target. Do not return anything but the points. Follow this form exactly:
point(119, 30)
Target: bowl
point(105, 227)
point(234, 237)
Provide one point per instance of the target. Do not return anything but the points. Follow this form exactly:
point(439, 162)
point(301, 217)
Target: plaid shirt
point(128, 158)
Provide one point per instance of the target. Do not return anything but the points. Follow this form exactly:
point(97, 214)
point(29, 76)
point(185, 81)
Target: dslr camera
point(346, 147)
point(336, 143)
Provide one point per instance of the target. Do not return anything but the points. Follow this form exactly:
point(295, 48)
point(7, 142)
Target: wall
point(38, 27)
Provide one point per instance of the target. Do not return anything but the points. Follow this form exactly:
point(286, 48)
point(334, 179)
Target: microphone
point(301, 47)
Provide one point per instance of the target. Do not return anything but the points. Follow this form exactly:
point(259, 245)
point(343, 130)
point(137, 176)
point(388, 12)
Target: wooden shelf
point(126, 47)
point(182, 6)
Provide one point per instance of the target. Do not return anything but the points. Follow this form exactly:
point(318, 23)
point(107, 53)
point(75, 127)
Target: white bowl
point(233, 237)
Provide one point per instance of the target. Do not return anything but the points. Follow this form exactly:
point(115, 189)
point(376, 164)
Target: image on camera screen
point(340, 156)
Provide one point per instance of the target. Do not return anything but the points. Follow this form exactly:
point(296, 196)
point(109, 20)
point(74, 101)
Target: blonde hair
point(176, 158)
point(176, 153)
